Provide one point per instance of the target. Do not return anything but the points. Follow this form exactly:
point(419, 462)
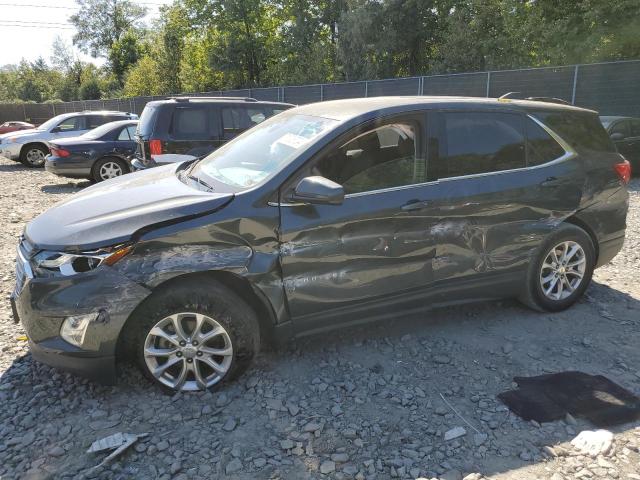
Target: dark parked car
point(323, 216)
point(625, 133)
point(185, 128)
point(99, 154)
point(8, 127)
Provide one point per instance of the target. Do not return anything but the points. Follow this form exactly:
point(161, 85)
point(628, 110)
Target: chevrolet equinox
point(325, 215)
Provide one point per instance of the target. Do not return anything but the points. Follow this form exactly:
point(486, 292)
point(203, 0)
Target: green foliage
point(203, 45)
point(101, 23)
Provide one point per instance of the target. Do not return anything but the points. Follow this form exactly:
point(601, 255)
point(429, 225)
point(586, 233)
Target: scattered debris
point(565, 395)
point(118, 441)
point(454, 433)
point(593, 443)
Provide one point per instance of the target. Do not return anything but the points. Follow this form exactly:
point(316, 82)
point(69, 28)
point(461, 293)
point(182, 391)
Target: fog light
point(74, 328)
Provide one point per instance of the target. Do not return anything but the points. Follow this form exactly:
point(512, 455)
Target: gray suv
point(30, 146)
point(319, 217)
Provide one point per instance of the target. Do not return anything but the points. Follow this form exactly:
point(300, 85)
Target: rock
point(229, 425)
point(287, 444)
point(233, 466)
point(454, 433)
point(162, 445)
point(507, 348)
point(339, 457)
point(327, 467)
point(451, 475)
point(56, 451)
point(441, 359)
point(479, 439)
point(593, 443)
point(311, 427)
point(176, 467)
point(259, 462)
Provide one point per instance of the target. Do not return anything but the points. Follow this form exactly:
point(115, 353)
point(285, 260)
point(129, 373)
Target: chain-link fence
point(612, 88)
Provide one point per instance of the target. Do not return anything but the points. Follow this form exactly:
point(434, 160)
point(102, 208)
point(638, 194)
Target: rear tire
point(107, 168)
point(560, 270)
point(32, 155)
point(199, 309)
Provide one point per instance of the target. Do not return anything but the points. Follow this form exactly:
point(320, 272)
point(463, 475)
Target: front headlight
point(48, 263)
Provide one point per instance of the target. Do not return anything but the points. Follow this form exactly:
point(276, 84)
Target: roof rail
point(548, 100)
point(511, 96)
point(187, 99)
point(519, 96)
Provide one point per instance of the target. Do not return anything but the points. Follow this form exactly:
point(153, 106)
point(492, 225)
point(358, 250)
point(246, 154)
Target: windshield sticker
point(292, 140)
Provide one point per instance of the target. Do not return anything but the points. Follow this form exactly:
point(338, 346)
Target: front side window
point(541, 147)
point(261, 153)
point(383, 157)
point(70, 124)
point(479, 142)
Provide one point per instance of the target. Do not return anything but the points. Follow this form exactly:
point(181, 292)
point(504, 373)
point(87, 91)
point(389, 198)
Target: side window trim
point(569, 152)
point(419, 117)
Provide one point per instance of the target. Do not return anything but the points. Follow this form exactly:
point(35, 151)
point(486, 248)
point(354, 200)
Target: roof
point(350, 108)
point(233, 100)
point(613, 118)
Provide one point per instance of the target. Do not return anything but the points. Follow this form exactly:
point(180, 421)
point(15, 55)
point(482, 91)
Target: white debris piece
point(593, 443)
point(118, 441)
point(455, 432)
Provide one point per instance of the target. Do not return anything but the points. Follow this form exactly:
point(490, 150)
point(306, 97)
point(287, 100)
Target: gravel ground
point(358, 403)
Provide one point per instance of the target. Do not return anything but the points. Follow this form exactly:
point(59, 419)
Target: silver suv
point(30, 146)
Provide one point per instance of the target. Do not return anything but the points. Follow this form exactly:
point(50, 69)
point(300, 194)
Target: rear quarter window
point(583, 131)
point(147, 121)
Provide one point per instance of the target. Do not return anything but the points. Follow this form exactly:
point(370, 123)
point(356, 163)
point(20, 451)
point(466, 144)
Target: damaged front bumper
point(43, 304)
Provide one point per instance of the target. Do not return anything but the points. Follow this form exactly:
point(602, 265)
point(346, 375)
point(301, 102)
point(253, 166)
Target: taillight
point(155, 147)
point(59, 152)
point(623, 169)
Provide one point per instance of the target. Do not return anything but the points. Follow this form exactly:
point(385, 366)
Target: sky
point(29, 27)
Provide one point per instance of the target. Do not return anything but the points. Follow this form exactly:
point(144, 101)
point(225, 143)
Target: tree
point(100, 23)
point(124, 53)
point(90, 90)
point(143, 78)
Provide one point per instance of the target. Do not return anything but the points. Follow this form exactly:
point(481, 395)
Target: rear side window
point(621, 127)
point(94, 121)
point(479, 142)
point(635, 128)
point(189, 124)
point(583, 131)
point(541, 147)
point(235, 120)
point(147, 121)
point(126, 134)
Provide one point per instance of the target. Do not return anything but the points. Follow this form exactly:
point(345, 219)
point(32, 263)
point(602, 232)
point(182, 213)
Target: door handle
point(551, 182)
point(413, 205)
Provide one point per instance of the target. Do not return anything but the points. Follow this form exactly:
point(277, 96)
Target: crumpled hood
point(111, 212)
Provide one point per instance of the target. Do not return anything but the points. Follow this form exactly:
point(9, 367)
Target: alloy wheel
point(35, 156)
point(563, 270)
point(188, 351)
point(110, 170)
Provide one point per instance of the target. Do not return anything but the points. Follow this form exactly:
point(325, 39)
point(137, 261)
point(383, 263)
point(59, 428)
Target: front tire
point(33, 155)
point(560, 270)
point(194, 336)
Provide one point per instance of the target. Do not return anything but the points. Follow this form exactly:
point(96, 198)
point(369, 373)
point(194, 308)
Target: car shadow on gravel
point(14, 167)
point(66, 188)
point(385, 382)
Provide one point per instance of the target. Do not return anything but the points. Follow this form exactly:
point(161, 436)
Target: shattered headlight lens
point(48, 263)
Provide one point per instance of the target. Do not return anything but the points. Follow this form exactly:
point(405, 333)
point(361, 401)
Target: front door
point(375, 246)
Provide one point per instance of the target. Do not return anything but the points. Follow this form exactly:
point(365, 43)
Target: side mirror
point(617, 136)
point(319, 190)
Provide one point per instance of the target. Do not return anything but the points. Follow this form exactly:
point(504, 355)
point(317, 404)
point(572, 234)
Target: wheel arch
point(38, 143)
point(578, 222)
point(238, 284)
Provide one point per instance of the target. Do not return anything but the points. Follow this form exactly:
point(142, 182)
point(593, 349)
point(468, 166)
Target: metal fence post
point(575, 83)
point(366, 88)
point(322, 92)
point(488, 83)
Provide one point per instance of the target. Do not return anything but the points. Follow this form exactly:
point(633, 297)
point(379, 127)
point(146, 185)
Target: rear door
point(125, 143)
point(500, 184)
